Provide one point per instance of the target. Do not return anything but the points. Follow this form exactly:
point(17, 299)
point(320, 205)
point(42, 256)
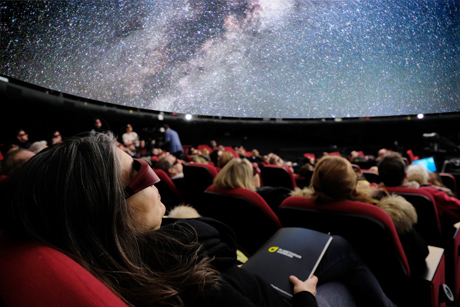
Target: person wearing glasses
point(175, 170)
point(98, 205)
point(22, 139)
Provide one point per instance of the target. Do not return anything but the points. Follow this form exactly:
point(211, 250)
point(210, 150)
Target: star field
point(254, 58)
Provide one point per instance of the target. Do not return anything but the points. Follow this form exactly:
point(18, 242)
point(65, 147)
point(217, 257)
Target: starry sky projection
point(242, 58)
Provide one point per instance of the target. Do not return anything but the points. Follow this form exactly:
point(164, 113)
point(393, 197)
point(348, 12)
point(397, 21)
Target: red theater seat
point(35, 275)
point(278, 176)
point(245, 211)
point(372, 234)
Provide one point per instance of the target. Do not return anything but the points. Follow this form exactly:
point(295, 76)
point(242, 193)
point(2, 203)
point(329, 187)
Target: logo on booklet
point(284, 252)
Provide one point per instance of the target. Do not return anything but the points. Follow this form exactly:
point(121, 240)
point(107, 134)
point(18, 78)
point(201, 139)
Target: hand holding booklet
point(290, 251)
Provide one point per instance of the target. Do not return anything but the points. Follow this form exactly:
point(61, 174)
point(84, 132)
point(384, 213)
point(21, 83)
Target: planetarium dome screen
point(242, 58)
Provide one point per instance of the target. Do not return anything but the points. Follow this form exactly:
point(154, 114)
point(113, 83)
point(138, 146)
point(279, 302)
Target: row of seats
point(368, 229)
point(255, 226)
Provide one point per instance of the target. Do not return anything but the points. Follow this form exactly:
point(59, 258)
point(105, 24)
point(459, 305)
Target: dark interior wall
point(41, 113)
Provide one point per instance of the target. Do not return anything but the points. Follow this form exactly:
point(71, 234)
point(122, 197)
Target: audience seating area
point(32, 270)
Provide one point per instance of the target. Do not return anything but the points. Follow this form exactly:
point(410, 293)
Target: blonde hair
point(224, 158)
point(333, 179)
point(237, 173)
point(400, 210)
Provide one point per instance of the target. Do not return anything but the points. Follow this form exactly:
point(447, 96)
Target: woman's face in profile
point(147, 202)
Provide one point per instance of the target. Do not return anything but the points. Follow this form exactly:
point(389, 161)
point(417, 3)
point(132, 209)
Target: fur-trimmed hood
point(400, 210)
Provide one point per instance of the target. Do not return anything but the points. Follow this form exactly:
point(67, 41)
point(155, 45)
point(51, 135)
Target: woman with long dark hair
point(96, 204)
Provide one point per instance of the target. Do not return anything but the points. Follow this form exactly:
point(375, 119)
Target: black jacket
point(238, 287)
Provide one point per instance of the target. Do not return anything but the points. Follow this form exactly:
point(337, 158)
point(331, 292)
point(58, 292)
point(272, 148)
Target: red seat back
point(245, 211)
point(366, 227)
point(35, 275)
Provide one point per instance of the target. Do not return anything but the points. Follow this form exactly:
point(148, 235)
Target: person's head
point(70, 186)
point(205, 152)
point(392, 170)
point(38, 146)
point(255, 153)
point(15, 159)
point(276, 160)
point(97, 123)
point(56, 137)
point(333, 179)
point(89, 199)
point(170, 165)
point(224, 158)
point(382, 153)
point(166, 127)
point(418, 173)
point(213, 144)
point(238, 173)
point(128, 128)
point(22, 136)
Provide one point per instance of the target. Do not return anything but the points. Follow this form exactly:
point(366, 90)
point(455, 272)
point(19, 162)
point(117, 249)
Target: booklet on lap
point(290, 251)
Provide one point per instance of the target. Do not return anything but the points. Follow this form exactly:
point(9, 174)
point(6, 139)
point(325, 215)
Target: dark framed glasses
point(144, 178)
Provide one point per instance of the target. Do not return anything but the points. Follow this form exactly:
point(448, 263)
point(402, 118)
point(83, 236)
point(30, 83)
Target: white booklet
point(290, 251)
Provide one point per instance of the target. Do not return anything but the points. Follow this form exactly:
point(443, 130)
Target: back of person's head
point(400, 210)
point(214, 156)
point(224, 158)
point(165, 163)
point(15, 159)
point(392, 170)
point(418, 173)
point(238, 173)
point(71, 196)
point(333, 179)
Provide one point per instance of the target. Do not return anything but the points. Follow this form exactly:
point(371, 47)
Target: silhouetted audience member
point(97, 126)
point(22, 139)
point(56, 137)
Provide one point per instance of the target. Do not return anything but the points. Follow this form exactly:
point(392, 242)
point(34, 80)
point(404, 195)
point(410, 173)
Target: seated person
point(240, 173)
point(22, 139)
point(255, 157)
point(175, 170)
point(422, 176)
point(392, 172)
point(114, 230)
point(224, 158)
point(334, 179)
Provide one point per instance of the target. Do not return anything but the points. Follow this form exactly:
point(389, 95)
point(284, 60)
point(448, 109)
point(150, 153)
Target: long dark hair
point(71, 197)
